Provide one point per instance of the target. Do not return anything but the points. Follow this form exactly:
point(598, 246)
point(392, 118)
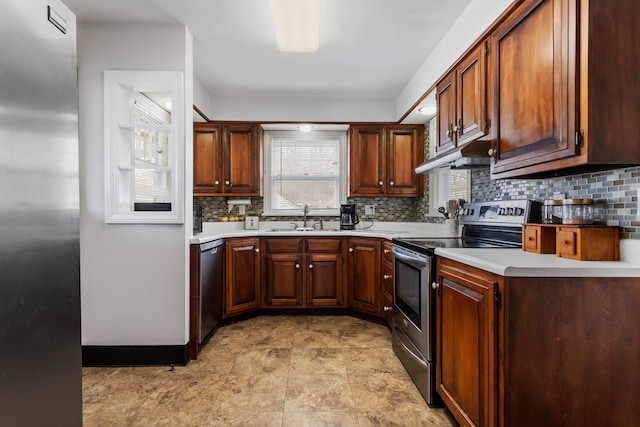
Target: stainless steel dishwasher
point(211, 283)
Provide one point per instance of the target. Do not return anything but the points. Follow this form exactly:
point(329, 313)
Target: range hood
point(474, 154)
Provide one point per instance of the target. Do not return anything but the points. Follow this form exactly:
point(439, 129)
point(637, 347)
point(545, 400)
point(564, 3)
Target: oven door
point(412, 297)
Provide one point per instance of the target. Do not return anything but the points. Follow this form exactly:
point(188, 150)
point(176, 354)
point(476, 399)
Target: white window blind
point(303, 170)
point(151, 150)
point(447, 184)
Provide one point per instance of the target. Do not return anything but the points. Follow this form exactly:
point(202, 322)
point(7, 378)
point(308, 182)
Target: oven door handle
point(415, 261)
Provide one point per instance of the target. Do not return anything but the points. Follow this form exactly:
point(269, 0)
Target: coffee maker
point(348, 217)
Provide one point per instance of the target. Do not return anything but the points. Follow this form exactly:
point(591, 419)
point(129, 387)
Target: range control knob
point(519, 211)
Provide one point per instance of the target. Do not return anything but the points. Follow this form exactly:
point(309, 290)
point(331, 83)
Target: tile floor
point(269, 371)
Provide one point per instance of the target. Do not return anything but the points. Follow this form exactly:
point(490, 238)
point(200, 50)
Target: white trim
point(118, 85)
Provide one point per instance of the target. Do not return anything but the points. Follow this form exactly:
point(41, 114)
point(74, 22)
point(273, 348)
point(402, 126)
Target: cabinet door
point(364, 275)
point(405, 151)
point(465, 344)
point(207, 160)
point(243, 275)
point(446, 118)
point(472, 96)
point(466, 324)
point(534, 67)
point(242, 154)
point(367, 161)
point(324, 279)
point(283, 281)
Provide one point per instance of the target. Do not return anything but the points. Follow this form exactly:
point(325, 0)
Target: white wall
point(291, 108)
point(201, 98)
point(475, 19)
point(133, 277)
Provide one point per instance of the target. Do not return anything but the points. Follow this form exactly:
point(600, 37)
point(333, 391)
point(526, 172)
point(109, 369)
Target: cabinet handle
point(216, 182)
point(380, 183)
point(310, 266)
point(385, 308)
point(529, 238)
point(391, 183)
point(297, 265)
point(387, 276)
point(257, 250)
point(493, 152)
point(350, 249)
point(227, 183)
point(386, 251)
point(435, 285)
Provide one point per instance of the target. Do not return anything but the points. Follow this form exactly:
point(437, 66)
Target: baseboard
point(134, 355)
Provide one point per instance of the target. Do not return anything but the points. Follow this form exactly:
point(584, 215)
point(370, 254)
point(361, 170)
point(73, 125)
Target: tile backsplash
point(614, 193)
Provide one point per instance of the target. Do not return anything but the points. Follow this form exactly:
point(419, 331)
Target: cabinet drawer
point(283, 245)
point(588, 243)
point(387, 254)
point(538, 238)
point(323, 245)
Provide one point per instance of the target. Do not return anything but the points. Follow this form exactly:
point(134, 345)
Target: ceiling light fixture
point(305, 128)
point(427, 110)
point(297, 25)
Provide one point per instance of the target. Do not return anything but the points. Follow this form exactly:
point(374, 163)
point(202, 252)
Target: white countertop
point(504, 262)
point(518, 263)
point(385, 230)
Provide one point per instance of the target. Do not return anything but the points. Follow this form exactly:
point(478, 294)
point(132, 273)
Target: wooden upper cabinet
point(535, 100)
point(566, 92)
point(367, 160)
point(405, 148)
point(241, 152)
point(383, 160)
point(227, 159)
point(207, 159)
point(446, 105)
point(461, 98)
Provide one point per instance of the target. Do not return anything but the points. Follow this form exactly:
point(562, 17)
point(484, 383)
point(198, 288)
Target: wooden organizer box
point(579, 242)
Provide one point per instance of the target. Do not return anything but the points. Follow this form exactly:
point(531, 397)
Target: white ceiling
point(368, 48)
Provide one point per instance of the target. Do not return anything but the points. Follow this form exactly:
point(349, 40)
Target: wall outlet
point(369, 209)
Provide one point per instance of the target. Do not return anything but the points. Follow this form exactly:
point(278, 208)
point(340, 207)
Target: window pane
point(152, 186)
point(293, 194)
point(304, 158)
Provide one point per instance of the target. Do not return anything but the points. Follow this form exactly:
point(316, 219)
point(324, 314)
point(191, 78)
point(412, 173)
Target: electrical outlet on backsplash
point(615, 193)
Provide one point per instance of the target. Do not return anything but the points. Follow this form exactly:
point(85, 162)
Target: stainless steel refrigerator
point(40, 344)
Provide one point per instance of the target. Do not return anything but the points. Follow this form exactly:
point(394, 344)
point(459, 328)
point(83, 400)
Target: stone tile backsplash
point(614, 193)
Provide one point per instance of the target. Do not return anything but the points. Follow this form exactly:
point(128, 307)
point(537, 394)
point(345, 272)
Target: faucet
point(305, 212)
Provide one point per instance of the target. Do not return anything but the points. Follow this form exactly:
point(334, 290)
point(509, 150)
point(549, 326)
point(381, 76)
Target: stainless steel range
point(484, 225)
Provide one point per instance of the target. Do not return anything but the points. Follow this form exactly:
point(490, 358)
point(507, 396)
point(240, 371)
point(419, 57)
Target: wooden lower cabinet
point(242, 291)
point(363, 280)
point(465, 342)
point(283, 280)
point(303, 272)
point(531, 351)
point(324, 280)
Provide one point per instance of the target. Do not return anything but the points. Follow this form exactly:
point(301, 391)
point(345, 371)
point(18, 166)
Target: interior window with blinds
point(304, 170)
point(152, 183)
point(445, 185)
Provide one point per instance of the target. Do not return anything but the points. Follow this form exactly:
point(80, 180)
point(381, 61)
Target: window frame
point(119, 130)
point(435, 178)
point(339, 136)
